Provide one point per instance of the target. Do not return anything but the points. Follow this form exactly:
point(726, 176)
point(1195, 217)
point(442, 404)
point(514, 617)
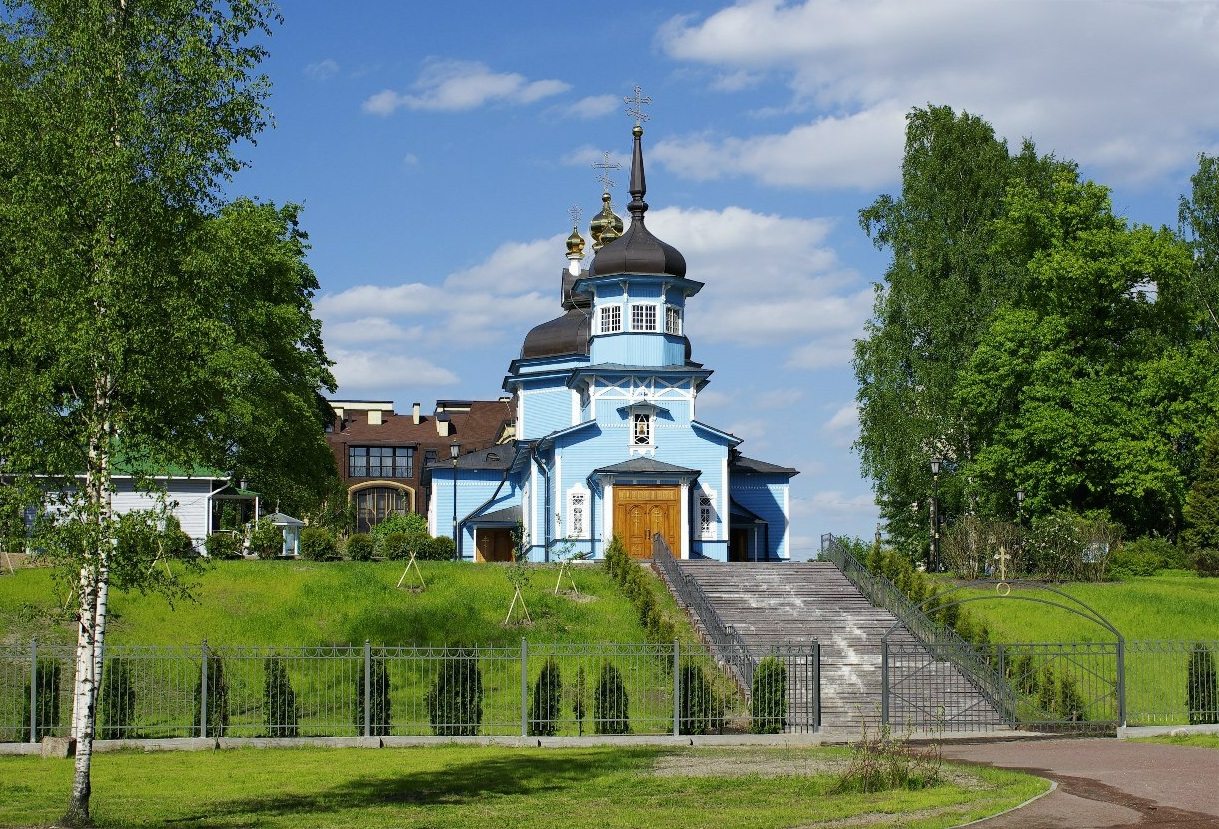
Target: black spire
point(639, 186)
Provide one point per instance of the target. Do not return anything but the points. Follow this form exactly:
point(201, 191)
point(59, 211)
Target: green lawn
point(287, 603)
point(1176, 606)
point(492, 787)
point(1196, 740)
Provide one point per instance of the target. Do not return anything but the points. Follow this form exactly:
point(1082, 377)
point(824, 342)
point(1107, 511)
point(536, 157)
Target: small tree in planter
point(768, 697)
point(1202, 693)
point(279, 700)
point(544, 707)
point(455, 700)
point(117, 714)
point(611, 704)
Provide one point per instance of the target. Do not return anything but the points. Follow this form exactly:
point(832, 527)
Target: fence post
point(203, 694)
point(884, 682)
point(816, 685)
point(525, 688)
point(367, 688)
point(34, 690)
point(1121, 681)
point(676, 688)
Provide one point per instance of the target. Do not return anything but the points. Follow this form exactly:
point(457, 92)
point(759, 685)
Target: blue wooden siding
point(765, 495)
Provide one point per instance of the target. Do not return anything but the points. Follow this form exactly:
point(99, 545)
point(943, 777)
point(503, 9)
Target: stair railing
point(728, 644)
point(944, 643)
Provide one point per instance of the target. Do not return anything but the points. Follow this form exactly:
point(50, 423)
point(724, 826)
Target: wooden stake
point(511, 607)
point(418, 572)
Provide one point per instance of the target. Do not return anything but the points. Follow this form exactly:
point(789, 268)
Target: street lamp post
point(935, 514)
point(454, 449)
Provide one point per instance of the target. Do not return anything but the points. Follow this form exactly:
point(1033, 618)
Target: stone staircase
point(796, 602)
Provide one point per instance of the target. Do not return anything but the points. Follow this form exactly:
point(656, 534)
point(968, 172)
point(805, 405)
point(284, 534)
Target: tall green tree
point(144, 323)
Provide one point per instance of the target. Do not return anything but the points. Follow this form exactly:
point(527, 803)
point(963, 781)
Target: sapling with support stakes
point(518, 572)
point(412, 563)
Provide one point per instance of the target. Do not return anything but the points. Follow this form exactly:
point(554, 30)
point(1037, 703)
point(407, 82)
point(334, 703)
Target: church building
point(607, 438)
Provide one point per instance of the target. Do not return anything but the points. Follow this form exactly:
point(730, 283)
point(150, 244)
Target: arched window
point(376, 503)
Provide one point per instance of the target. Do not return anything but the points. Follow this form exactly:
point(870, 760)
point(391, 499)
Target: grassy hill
point(287, 603)
point(1174, 606)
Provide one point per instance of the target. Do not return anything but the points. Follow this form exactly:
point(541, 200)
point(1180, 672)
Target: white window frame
point(640, 311)
point(609, 319)
point(673, 320)
point(578, 506)
point(646, 436)
point(708, 520)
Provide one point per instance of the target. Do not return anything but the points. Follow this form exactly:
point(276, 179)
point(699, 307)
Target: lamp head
point(454, 448)
point(935, 466)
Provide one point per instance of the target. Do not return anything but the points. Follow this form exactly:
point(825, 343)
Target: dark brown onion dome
point(637, 250)
point(567, 334)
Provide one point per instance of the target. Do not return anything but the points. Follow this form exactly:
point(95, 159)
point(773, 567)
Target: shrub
point(395, 546)
point(1201, 510)
point(701, 706)
point(544, 707)
point(378, 698)
point(409, 523)
point(1143, 557)
point(266, 539)
point(441, 548)
point(768, 697)
point(116, 714)
point(217, 699)
point(611, 705)
point(579, 700)
point(880, 762)
point(360, 547)
point(455, 700)
point(278, 698)
point(1068, 701)
point(317, 544)
point(223, 545)
point(46, 717)
point(1200, 686)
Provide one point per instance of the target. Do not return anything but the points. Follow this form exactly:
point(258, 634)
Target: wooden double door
point(640, 512)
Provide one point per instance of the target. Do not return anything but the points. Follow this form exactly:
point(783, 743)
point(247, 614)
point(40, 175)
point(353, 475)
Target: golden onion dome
point(575, 244)
point(606, 226)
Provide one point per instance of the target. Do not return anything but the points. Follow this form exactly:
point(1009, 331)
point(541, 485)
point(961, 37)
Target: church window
point(381, 462)
point(672, 319)
point(643, 317)
point(578, 499)
point(611, 319)
point(706, 515)
point(641, 429)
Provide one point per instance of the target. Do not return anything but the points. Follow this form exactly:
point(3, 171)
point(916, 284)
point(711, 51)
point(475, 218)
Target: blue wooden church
point(607, 438)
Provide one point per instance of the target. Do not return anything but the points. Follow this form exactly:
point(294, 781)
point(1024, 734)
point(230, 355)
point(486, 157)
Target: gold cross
point(1002, 557)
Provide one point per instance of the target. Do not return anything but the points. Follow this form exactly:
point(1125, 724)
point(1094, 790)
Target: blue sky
point(438, 147)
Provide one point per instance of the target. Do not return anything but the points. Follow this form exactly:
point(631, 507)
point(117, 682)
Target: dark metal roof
point(567, 334)
point(494, 457)
point(745, 465)
point(507, 515)
point(741, 511)
point(646, 466)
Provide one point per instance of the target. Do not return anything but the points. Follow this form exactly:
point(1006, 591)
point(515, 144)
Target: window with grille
point(643, 317)
point(575, 525)
point(641, 431)
point(706, 515)
point(611, 319)
point(381, 462)
point(375, 504)
point(672, 319)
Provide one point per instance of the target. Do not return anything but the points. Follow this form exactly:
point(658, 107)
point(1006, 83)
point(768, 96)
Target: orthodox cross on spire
point(575, 212)
point(605, 167)
point(635, 105)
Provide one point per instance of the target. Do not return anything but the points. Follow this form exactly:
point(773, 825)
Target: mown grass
point(289, 603)
point(1195, 740)
point(1161, 607)
point(489, 787)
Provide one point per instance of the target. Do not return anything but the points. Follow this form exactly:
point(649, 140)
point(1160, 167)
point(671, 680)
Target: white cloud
point(376, 370)
point(457, 86)
point(369, 330)
point(1127, 87)
point(843, 427)
point(594, 106)
point(323, 70)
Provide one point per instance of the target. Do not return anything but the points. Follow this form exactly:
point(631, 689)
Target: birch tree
point(144, 323)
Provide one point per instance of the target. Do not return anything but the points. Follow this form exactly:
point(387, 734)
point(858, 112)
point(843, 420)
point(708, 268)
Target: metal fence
point(531, 690)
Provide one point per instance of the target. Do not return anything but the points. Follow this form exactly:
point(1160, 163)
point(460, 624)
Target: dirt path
point(1106, 783)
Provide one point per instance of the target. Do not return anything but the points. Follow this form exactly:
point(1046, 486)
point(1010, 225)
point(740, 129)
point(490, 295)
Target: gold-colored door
point(641, 512)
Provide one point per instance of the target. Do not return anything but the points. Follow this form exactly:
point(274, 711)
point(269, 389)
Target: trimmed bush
point(1143, 557)
point(611, 704)
point(360, 547)
point(702, 707)
point(409, 523)
point(399, 546)
point(223, 545)
point(1202, 693)
point(379, 709)
point(278, 699)
point(579, 700)
point(217, 699)
point(318, 544)
point(455, 700)
point(768, 697)
point(116, 714)
point(544, 707)
point(46, 718)
point(441, 548)
point(266, 539)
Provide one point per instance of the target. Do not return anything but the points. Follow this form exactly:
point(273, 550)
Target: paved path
point(1106, 783)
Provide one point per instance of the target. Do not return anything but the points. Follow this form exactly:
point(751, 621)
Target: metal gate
point(947, 684)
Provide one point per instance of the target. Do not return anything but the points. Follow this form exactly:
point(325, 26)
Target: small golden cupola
point(575, 244)
point(607, 225)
